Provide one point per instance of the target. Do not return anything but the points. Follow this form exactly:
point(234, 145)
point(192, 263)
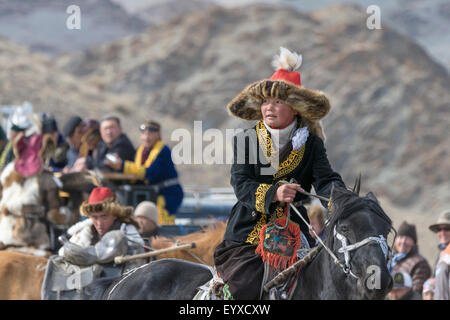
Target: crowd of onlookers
point(89, 144)
point(81, 143)
point(413, 277)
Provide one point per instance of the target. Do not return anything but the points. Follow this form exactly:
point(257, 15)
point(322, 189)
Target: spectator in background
point(402, 289)
point(153, 165)
point(146, 215)
point(3, 146)
point(443, 276)
point(407, 257)
point(59, 159)
point(429, 287)
point(72, 134)
point(20, 122)
point(114, 142)
point(442, 229)
point(317, 217)
point(90, 138)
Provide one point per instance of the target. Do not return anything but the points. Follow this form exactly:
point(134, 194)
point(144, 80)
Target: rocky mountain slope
point(424, 21)
point(390, 100)
point(41, 24)
point(34, 77)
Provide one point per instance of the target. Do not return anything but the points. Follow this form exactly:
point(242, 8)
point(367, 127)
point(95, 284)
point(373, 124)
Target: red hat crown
point(289, 76)
point(100, 194)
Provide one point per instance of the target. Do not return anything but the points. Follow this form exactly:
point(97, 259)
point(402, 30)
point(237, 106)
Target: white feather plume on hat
point(287, 60)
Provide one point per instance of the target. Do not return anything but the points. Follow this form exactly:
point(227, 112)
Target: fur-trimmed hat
point(102, 199)
point(285, 84)
point(409, 230)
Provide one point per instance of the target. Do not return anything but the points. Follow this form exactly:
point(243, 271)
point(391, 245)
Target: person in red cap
point(289, 140)
point(106, 214)
point(94, 244)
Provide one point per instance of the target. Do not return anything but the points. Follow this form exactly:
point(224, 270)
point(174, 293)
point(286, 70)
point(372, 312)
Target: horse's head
point(356, 232)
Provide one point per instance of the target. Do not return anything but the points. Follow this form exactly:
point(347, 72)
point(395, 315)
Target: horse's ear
point(357, 186)
point(333, 190)
point(371, 196)
point(332, 196)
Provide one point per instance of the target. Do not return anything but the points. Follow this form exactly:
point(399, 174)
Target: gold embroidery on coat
point(292, 162)
point(253, 237)
point(288, 165)
point(261, 197)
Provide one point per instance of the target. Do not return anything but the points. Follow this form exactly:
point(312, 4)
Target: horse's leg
point(167, 279)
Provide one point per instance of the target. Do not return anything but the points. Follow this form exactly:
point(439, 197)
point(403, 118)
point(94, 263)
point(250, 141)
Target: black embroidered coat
point(255, 189)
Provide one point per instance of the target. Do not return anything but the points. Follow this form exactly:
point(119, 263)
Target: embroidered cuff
point(131, 168)
point(264, 195)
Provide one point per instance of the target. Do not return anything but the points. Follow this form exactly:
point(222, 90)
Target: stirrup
point(214, 289)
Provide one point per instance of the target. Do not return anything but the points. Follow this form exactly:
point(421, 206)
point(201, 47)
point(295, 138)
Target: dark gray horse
point(360, 220)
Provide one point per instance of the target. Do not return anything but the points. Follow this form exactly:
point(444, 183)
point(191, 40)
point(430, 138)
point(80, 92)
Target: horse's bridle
point(346, 248)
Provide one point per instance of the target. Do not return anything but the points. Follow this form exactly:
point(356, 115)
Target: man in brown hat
point(407, 257)
point(442, 229)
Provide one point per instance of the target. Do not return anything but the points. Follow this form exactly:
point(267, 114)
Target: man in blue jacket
point(153, 165)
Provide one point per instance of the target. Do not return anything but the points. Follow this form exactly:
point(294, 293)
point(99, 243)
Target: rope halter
point(346, 248)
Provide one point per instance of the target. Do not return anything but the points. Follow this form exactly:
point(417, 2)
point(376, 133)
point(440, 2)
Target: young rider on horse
point(106, 214)
point(89, 254)
point(290, 138)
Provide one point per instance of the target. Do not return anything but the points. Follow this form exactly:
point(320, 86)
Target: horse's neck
point(161, 242)
point(321, 280)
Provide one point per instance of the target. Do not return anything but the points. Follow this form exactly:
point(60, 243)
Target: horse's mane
point(346, 202)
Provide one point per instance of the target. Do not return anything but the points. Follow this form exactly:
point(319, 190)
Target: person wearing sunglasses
point(442, 229)
point(153, 165)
